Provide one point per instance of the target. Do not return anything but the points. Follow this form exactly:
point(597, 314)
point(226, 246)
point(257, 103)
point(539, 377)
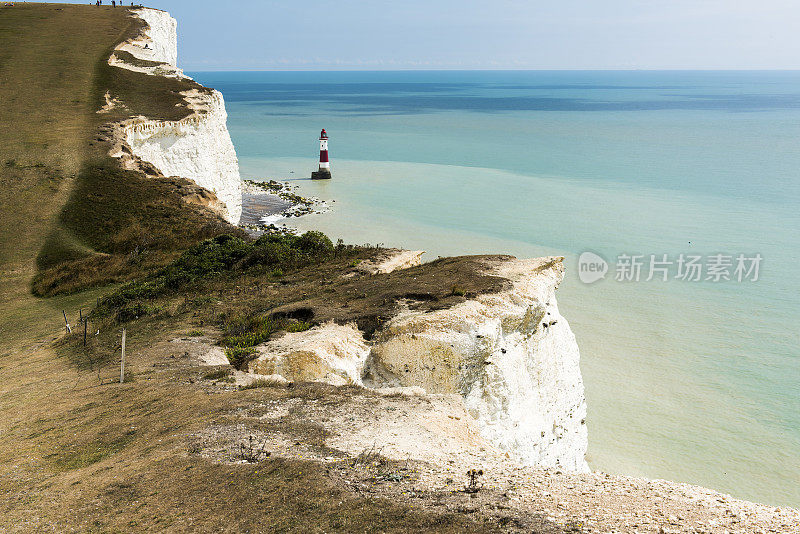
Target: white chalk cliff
point(197, 147)
point(509, 355)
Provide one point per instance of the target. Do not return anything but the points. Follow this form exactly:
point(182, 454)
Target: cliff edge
point(510, 355)
point(504, 350)
point(198, 146)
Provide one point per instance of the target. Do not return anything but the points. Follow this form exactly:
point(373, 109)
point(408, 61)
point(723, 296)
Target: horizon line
point(198, 69)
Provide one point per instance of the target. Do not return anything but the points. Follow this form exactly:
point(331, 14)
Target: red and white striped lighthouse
point(324, 171)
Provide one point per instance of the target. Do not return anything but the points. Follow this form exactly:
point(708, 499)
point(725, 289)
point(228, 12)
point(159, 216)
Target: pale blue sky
point(489, 34)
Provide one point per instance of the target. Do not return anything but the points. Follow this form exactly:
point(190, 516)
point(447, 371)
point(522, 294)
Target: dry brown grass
point(47, 104)
point(107, 457)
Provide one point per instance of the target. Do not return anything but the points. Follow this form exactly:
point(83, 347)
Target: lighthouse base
point(322, 174)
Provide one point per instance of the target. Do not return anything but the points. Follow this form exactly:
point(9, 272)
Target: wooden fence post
point(122, 362)
point(69, 330)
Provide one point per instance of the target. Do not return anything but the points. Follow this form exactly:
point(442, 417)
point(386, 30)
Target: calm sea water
point(690, 381)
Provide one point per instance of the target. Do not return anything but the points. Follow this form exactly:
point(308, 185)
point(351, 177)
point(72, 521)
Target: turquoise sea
point(694, 381)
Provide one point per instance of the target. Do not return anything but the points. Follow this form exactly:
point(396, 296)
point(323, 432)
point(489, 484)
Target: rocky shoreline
point(264, 203)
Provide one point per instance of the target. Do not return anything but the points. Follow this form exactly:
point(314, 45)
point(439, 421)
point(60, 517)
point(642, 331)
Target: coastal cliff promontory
point(504, 350)
point(197, 147)
point(509, 354)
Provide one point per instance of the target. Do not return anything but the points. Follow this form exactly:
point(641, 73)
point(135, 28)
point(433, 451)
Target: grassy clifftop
point(72, 219)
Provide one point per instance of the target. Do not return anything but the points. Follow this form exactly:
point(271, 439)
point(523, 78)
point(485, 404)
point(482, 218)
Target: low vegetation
point(220, 256)
point(84, 455)
point(252, 452)
point(260, 383)
point(239, 357)
point(219, 374)
point(110, 224)
point(224, 256)
point(118, 224)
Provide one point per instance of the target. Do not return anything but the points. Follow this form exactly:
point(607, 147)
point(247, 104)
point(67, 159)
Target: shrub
point(224, 253)
point(247, 331)
point(240, 356)
point(209, 258)
point(129, 312)
point(271, 254)
point(251, 330)
point(287, 250)
point(298, 326)
point(315, 243)
point(135, 290)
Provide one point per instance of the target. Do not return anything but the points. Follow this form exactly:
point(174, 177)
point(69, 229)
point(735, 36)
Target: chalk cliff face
point(197, 147)
point(509, 355)
point(161, 38)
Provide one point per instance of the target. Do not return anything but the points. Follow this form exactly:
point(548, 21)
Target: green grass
point(72, 219)
point(48, 61)
point(223, 255)
point(155, 97)
point(121, 225)
point(240, 356)
point(114, 224)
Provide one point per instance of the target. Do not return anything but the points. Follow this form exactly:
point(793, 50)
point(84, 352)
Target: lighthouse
point(324, 171)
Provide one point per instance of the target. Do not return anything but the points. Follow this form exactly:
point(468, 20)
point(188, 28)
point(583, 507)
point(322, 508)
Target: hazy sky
point(488, 34)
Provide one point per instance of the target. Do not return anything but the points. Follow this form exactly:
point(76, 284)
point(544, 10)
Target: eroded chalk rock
point(520, 381)
point(328, 353)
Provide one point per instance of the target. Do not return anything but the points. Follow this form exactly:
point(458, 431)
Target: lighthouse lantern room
point(324, 171)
